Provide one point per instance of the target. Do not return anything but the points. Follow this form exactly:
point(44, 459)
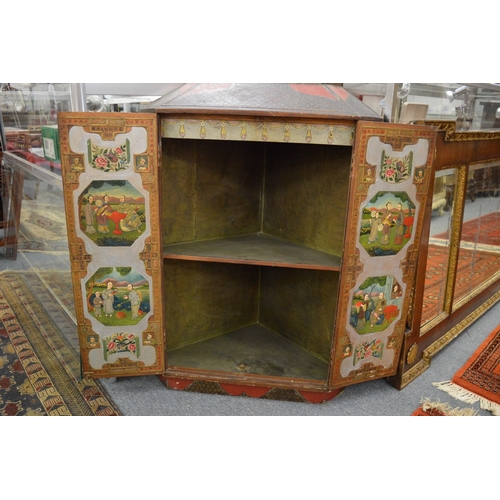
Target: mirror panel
point(438, 259)
point(479, 254)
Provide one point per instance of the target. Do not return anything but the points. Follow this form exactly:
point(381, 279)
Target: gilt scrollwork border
point(443, 341)
point(452, 135)
point(455, 237)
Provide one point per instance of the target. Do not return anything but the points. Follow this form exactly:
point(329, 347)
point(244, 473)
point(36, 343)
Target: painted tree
point(373, 282)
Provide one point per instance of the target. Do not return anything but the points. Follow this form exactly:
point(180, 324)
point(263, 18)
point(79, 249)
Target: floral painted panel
point(109, 159)
point(374, 349)
point(121, 342)
point(395, 169)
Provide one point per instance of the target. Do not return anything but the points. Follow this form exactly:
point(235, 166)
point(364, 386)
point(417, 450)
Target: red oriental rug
point(484, 230)
point(473, 269)
point(479, 378)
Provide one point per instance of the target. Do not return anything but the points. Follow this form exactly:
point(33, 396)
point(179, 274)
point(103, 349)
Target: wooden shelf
point(250, 350)
point(254, 249)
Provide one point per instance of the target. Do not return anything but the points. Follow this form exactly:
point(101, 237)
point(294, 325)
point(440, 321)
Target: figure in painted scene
point(120, 212)
point(93, 343)
point(135, 300)
point(97, 303)
point(386, 223)
point(361, 310)
point(400, 228)
point(142, 164)
point(375, 225)
point(387, 217)
point(124, 293)
point(76, 166)
point(419, 176)
point(108, 297)
point(377, 315)
point(103, 210)
point(368, 176)
point(379, 298)
point(364, 310)
point(396, 292)
point(132, 221)
point(89, 211)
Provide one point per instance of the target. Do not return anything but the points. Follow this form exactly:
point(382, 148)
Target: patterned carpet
point(42, 227)
point(39, 360)
point(483, 230)
point(474, 268)
point(479, 377)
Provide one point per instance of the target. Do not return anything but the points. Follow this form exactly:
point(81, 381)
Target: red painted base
point(249, 391)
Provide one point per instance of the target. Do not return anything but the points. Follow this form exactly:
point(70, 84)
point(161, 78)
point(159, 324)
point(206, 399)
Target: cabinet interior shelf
point(255, 249)
point(253, 349)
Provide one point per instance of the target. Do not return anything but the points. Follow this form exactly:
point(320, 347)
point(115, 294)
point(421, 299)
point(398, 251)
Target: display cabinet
point(274, 245)
point(458, 276)
point(473, 106)
point(28, 116)
point(27, 111)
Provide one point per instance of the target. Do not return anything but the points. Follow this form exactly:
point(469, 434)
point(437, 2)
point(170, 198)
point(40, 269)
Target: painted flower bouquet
point(395, 170)
point(120, 343)
point(107, 159)
point(366, 349)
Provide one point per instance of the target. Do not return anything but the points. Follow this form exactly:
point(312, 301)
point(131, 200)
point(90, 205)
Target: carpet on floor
point(484, 230)
point(42, 227)
point(40, 371)
point(479, 378)
point(473, 269)
point(430, 408)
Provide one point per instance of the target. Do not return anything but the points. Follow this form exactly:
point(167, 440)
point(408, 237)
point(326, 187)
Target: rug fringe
point(446, 409)
point(466, 396)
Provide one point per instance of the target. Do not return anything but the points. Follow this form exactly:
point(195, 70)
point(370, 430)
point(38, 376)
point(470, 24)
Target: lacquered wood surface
point(255, 249)
point(253, 350)
point(265, 99)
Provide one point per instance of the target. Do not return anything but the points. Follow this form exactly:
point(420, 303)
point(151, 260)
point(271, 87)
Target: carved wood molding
point(443, 341)
point(451, 134)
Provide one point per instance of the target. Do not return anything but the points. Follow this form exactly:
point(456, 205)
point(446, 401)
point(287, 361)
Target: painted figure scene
point(112, 213)
point(387, 223)
point(376, 304)
point(118, 296)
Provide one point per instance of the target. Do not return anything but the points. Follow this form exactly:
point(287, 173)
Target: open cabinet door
point(391, 171)
point(111, 188)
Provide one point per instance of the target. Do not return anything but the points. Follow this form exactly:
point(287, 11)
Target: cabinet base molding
point(226, 389)
point(444, 340)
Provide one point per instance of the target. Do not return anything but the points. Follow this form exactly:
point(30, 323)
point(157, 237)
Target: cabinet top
point(323, 101)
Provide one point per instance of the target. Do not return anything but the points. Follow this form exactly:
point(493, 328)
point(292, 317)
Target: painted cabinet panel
point(392, 168)
point(349, 315)
point(111, 179)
